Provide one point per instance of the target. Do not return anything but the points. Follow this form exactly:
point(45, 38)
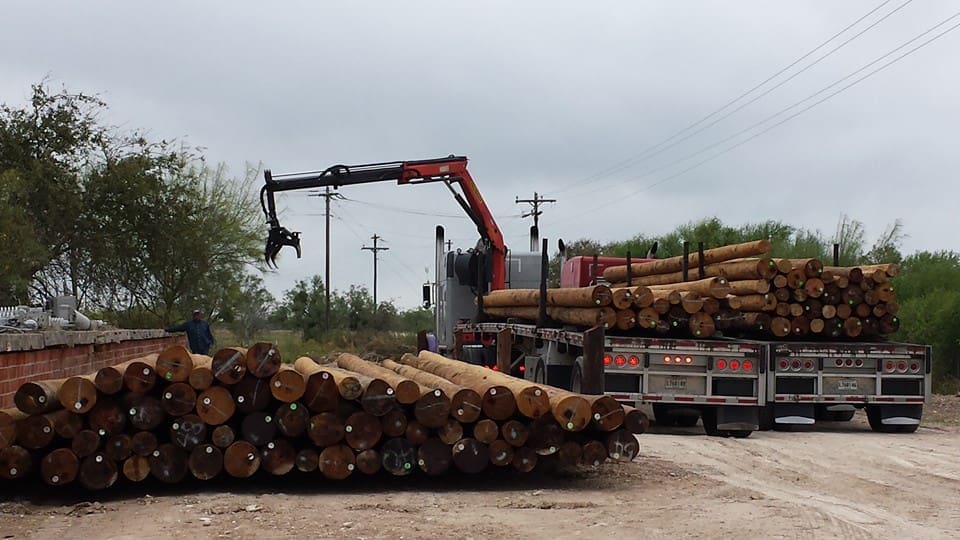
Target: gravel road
point(837, 481)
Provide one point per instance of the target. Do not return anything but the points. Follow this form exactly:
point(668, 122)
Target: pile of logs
point(734, 290)
point(242, 412)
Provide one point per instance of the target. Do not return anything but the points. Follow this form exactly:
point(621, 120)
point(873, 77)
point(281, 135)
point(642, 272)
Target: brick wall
point(18, 367)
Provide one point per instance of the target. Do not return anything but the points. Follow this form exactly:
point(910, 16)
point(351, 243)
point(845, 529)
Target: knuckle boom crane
point(451, 171)
point(733, 385)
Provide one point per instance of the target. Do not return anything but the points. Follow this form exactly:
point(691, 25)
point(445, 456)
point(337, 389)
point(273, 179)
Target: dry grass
point(942, 410)
point(292, 346)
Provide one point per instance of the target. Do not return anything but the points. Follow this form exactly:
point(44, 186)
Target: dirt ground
point(835, 481)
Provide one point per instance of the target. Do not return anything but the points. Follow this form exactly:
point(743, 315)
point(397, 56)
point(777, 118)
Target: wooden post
point(700, 257)
point(593, 350)
point(504, 349)
point(542, 300)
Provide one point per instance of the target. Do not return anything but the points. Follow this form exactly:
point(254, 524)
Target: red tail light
point(677, 359)
point(902, 367)
point(784, 364)
point(747, 365)
point(795, 365)
point(607, 359)
point(839, 362)
point(666, 358)
point(495, 367)
point(914, 367)
point(620, 360)
point(734, 365)
point(721, 364)
point(808, 365)
point(859, 362)
point(849, 362)
point(633, 361)
point(889, 366)
point(688, 360)
point(523, 368)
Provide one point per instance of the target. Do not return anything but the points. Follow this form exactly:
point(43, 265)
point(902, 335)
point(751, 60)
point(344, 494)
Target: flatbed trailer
point(810, 381)
point(734, 386)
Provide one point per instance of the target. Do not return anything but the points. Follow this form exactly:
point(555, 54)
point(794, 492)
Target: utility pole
point(327, 194)
point(535, 203)
point(375, 249)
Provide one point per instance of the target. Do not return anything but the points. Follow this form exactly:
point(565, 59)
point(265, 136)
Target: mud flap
point(794, 413)
point(738, 418)
point(900, 415)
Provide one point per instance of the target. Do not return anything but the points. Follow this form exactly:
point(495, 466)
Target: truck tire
point(839, 416)
point(686, 420)
point(576, 377)
point(661, 414)
point(766, 417)
point(875, 420)
point(540, 372)
point(709, 417)
point(739, 433)
point(825, 415)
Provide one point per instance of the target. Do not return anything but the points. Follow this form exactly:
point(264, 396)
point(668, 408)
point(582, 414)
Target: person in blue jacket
point(198, 333)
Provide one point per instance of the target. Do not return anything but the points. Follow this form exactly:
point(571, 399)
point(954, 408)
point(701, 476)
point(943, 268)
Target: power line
point(794, 115)
point(768, 90)
point(644, 153)
point(406, 210)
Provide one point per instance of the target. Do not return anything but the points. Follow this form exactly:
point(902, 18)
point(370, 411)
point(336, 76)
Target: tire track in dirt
point(837, 484)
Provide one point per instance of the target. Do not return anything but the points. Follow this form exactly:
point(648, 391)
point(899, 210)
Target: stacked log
point(243, 413)
point(737, 291)
point(599, 305)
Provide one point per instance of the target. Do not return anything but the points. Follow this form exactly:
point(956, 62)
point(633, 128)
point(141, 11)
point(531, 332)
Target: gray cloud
point(540, 95)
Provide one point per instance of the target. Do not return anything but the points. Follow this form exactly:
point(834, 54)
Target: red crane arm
point(455, 171)
point(450, 170)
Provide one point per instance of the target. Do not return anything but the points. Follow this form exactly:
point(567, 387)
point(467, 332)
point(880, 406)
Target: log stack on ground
point(737, 291)
point(242, 413)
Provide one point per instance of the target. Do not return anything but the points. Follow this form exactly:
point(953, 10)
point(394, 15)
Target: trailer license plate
point(846, 384)
point(675, 383)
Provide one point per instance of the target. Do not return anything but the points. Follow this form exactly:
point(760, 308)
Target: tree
point(46, 148)
point(417, 319)
point(303, 308)
point(141, 230)
point(22, 252)
point(248, 308)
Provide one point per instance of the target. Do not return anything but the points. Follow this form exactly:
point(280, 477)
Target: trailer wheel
point(709, 417)
point(826, 415)
point(839, 416)
point(540, 373)
point(576, 377)
point(662, 416)
point(876, 421)
point(686, 420)
point(766, 417)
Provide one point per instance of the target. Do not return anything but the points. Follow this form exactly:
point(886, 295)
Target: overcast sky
point(541, 96)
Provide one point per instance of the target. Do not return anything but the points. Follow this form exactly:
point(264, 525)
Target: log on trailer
point(615, 274)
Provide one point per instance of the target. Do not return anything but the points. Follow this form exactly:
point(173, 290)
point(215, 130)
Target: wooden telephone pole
point(535, 203)
point(375, 249)
point(327, 194)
